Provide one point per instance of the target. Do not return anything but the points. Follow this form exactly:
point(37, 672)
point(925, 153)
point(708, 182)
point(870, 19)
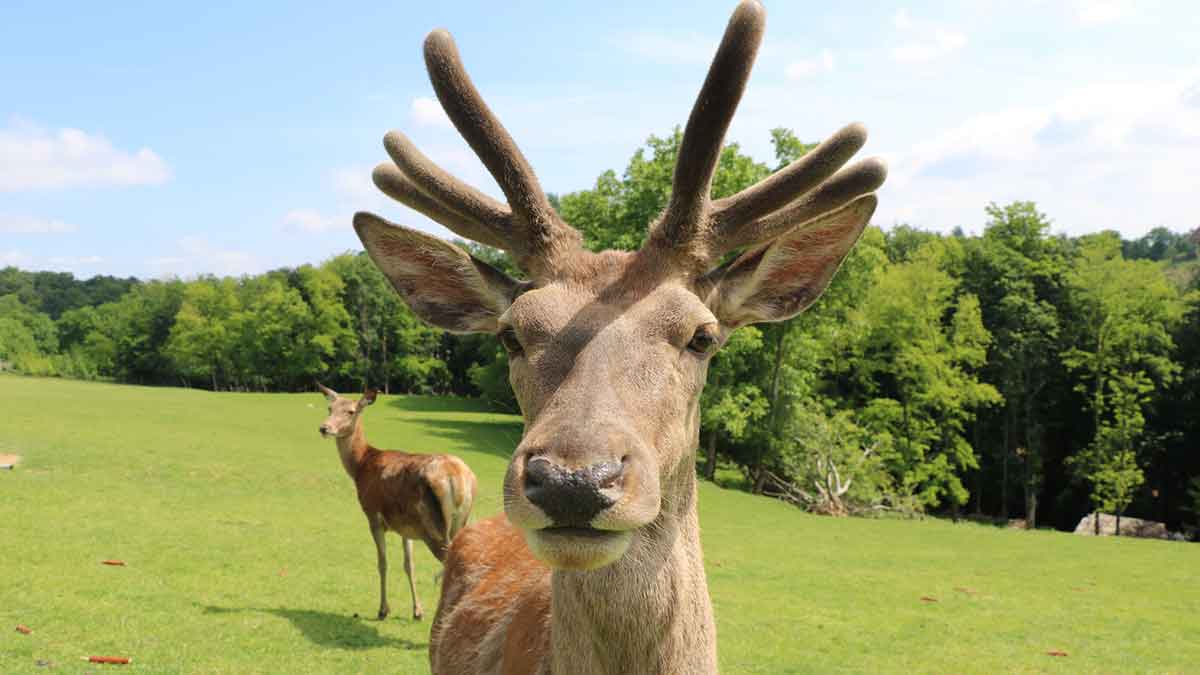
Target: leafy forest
point(1016, 373)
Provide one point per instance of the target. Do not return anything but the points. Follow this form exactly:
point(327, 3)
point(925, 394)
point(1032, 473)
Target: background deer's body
point(419, 497)
point(596, 566)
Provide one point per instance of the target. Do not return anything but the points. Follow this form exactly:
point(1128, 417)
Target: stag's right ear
point(442, 283)
point(780, 279)
point(330, 394)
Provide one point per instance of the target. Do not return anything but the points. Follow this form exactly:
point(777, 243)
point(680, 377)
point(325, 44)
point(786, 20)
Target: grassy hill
point(246, 553)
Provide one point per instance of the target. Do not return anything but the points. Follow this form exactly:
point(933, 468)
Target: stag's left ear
point(442, 283)
point(780, 279)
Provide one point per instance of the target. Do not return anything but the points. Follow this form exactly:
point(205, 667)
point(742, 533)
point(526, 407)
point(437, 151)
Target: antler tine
point(542, 234)
point(846, 186)
point(791, 182)
point(488, 224)
point(711, 114)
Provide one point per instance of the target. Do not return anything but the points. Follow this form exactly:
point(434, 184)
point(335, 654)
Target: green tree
point(1017, 270)
point(922, 350)
point(1110, 462)
point(203, 338)
point(1122, 351)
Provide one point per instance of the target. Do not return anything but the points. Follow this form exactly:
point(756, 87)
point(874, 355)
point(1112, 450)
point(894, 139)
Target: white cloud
point(925, 41)
point(196, 255)
point(822, 63)
point(941, 42)
point(428, 112)
point(34, 158)
point(311, 221)
point(1101, 11)
point(75, 261)
point(31, 225)
point(353, 191)
point(23, 260)
point(15, 258)
point(670, 49)
point(353, 184)
point(1119, 155)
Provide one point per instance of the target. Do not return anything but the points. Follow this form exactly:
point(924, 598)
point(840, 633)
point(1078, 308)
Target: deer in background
point(596, 565)
point(426, 497)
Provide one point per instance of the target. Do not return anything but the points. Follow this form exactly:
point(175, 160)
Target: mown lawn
point(246, 553)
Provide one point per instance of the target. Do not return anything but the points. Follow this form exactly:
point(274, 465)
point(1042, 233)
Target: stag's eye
point(705, 340)
point(508, 338)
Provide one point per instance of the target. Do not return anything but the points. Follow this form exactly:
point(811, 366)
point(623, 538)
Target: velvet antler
point(527, 226)
point(695, 231)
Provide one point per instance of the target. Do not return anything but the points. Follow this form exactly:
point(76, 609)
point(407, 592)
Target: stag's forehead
point(590, 304)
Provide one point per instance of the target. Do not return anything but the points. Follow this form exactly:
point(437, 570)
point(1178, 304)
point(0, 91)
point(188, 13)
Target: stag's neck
point(353, 449)
point(649, 612)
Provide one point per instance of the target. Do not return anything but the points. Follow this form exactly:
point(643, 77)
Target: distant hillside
point(1179, 253)
point(1185, 273)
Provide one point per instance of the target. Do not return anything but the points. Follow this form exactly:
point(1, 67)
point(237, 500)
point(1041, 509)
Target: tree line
point(1011, 373)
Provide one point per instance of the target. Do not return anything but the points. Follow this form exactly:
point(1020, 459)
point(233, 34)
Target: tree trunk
point(1004, 463)
point(710, 456)
point(978, 472)
point(364, 341)
point(760, 476)
point(387, 380)
point(1033, 463)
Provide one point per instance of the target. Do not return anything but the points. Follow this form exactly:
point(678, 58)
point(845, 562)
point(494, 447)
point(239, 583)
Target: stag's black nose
point(571, 498)
point(322, 429)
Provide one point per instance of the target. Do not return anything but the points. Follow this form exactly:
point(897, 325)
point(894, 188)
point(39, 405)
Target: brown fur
point(419, 497)
point(492, 618)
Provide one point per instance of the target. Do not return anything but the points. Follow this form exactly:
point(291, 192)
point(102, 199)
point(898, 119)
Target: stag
point(595, 566)
point(425, 497)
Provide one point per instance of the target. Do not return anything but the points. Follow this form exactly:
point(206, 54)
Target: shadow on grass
point(494, 436)
point(329, 630)
point(497, 438)
point(415, 403)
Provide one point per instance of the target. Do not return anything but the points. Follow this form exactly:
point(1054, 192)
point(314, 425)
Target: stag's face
point(608, 352)
point(608, 375)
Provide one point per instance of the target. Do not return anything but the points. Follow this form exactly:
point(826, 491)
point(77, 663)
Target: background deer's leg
point(378, 530)
point(412, 582)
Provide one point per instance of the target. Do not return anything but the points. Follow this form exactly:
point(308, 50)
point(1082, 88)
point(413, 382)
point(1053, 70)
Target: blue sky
point(178, 139)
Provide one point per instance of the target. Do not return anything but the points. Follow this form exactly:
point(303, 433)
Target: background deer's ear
point(330, 394)
point(780, 279)
point(368, 398)
point(442, 283)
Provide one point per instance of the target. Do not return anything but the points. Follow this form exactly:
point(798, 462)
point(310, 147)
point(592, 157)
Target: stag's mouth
point(578, 548)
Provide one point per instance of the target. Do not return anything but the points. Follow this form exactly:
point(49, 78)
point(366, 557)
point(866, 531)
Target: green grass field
point(246, 553)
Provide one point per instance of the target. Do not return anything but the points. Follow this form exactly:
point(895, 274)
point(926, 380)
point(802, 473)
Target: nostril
point(538, 471)
point(608, 474)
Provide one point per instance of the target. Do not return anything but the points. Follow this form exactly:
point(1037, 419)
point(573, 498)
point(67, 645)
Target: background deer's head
point(608, 351)
point(343, 413)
